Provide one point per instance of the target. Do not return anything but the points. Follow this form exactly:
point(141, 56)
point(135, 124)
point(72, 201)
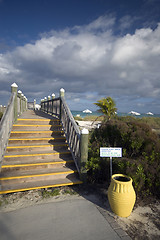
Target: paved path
point(73, 219)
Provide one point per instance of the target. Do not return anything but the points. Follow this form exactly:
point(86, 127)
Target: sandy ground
point(14, 201)
point(88, 124)
point(143, 223)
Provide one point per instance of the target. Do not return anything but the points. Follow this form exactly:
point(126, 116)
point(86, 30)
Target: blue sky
point(91, 48)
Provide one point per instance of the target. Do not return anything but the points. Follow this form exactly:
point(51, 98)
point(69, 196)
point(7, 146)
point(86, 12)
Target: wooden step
point(34, 127)
point(34, 160)
point(35, 175)
point(38, 121)
point(32, 140)
point(56, 163)
point(36, 133)
point(36, 155)
point(36, 147)
point(71, 180)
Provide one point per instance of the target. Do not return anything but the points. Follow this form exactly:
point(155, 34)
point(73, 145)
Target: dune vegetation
point(140, 147)
point(141, 154)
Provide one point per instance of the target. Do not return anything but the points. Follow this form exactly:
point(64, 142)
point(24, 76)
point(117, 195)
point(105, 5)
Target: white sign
point(110, 152)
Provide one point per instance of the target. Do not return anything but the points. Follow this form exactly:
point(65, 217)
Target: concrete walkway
point(72, 219)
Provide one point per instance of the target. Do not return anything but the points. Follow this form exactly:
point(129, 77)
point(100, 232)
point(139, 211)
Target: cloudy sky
point(91, 48)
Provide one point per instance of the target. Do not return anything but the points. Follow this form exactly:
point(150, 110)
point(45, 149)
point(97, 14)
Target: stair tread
point(37, 152)
point(70, 180)
point(36, 119)
point(37, 126)
point(36, 131)
point(33, 138)
point(41, 120)
point(35, 145)
point(22, 173)
point(36, 161)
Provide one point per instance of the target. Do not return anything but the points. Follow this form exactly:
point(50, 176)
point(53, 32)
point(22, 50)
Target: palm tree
point(107, 107)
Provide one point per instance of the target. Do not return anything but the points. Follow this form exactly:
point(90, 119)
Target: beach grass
point(89, 118)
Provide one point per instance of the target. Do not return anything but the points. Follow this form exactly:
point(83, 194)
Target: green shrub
point(153, 122)
point(141, 154)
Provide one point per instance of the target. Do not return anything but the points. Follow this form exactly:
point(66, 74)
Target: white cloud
point(88, 62)
point(125, 22)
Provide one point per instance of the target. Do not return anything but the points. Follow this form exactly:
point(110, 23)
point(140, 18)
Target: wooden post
point(45, 106)
point(48, 104)
point(20, 101)
point(14, 88)
point(53, 97)
point(61, 94)
point(22, 96)
point(42, 104)
point(34, 103)
point(84, 154)
point(26, 103)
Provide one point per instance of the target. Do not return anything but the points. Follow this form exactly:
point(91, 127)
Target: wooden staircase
point(37, 155)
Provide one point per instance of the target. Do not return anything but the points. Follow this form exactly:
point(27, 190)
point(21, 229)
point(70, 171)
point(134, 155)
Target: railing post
point(53, 97)
point(34, 103)
point(83, 154)
point(14, 89)
point(42, 104)
point(20, 101)
point(45, 107)
point(1, 108)
point(26, 103)
point(48, 104)
point(61, 94)
point(23, 105)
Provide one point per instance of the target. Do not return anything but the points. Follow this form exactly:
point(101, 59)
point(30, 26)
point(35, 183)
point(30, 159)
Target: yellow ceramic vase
point(121, 195)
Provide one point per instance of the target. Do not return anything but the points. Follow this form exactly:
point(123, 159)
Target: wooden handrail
point(16, 105)
point(6, 125)
point(58, 107)
point(72, 132)
point(76, 139)
point(51, 106)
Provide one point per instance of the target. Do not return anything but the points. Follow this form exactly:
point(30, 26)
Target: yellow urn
point(121, 195)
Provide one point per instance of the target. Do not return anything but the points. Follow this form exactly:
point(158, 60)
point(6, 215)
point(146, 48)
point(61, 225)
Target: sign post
point(110, 152)
point(111, 166)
